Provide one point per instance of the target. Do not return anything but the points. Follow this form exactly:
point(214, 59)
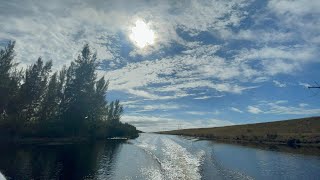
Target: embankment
point(304, 132)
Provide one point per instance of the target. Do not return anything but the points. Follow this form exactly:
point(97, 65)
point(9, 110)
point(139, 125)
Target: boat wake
point(175, 161)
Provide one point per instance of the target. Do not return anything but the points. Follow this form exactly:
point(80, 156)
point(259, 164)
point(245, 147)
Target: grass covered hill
point(305, 131)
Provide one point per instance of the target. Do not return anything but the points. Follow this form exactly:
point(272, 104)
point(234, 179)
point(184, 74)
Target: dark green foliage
point(9, 77)
point(68, 103)
point(33, 90)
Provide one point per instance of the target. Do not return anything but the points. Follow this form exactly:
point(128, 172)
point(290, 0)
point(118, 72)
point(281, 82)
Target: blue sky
point(212, 63)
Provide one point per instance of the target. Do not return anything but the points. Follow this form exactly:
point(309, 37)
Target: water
point(153, 156)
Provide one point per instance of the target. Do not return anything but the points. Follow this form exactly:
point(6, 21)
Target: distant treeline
point(37, 102)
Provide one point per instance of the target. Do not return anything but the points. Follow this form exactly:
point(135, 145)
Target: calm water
point(154, 156)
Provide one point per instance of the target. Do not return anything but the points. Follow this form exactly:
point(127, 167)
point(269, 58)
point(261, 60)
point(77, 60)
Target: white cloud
point(279, 102)
point(62, 27)
point(58, 29)
point(178, 74)
point(254, 110)
point(53, 35)
point(306, 85)
point(197, 113)
point(261, 79)
point(65, 31)
point(296, 7)
point(279, 60)
point(300, 15)
point(147, 95)
point(279, 84)
point(153, 124)
point(236, 110)
point(202, 113)
point(130, 102)
point(301, 110)
point(163, 107)
point(203, 97)
point(283, 108)
point(303, 104)
point(263, 36)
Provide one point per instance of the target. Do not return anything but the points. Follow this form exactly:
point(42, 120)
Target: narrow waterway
point(153, 156)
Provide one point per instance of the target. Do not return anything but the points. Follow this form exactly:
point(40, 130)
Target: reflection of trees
point(77, 161)
point(107, 161)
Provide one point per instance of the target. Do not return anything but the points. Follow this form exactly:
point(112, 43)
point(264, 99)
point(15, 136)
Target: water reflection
point(72, 161)
point(153, 156)
point(265, 164)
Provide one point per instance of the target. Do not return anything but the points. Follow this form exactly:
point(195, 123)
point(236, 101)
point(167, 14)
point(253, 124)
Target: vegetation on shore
point(305, 131)
point(39, 103)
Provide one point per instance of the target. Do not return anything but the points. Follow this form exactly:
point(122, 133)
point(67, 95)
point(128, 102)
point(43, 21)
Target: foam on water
point(175, 161)
point(179, 163)
point(151, 173)
point(2, 176)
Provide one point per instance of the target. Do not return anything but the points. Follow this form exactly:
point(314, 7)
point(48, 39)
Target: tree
point(79, 91)
point(71, 102)
point(33, 90)
point(115, 112)
point(98, 112)
point(6, 65)
point(50, 103)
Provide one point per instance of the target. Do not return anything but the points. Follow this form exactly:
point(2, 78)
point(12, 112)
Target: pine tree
point(71, 102)
point(6, 82)
point(33, 90)
point(50, 103)
point(79, 91)
point(98, 111)
point(115, 111)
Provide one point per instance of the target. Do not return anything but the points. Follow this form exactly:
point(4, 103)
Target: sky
point(183, 63)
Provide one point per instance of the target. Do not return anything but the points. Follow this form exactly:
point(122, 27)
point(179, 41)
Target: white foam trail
point(175, 161)
point(179, 163)
point(2, 176)
point(151, 173)
point(148, 144)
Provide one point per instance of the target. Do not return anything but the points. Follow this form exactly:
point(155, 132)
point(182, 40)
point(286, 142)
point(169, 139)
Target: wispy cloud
point(153, 124)
point(303, 104)
point(306, 85)
point(236, 110)
point(197, 113)
point(181, 73)
point(279, 84)
point(283, 107)
point(254, 110)
point(162, 107)
point(203, 50)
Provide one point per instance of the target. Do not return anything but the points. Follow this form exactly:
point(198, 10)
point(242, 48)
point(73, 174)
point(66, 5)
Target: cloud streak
point(154, 124)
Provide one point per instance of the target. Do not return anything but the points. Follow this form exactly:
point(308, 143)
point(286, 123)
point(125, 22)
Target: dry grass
point(305, 131)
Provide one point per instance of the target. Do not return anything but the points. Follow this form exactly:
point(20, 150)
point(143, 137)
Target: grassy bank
point(305, 131)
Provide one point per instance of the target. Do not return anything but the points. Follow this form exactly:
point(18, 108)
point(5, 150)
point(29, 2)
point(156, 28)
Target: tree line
point(37, 102)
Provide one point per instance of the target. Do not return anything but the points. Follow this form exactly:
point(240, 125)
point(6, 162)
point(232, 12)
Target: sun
point(141, 35)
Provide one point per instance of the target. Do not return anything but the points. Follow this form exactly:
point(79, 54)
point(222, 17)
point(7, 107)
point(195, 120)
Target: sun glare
point(141, 34)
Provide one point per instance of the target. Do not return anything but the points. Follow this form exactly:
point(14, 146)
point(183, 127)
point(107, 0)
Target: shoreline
point(303, 148)
point(259, 142)
point(296, 132)
point(56, 141)
point(290, 143)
